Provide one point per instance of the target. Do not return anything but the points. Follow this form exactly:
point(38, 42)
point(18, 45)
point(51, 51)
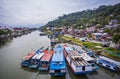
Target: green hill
point(99, 16)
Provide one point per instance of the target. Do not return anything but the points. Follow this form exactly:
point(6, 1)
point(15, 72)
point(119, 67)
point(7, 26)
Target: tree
point(87, 18)
point(116, 38)
point(3, 32)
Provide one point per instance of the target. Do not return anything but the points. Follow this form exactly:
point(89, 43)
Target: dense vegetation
point(3, 32)
point(100, 17)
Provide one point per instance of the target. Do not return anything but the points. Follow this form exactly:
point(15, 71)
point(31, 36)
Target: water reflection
point(13, 50)
point(94, 73)
point(58, 77)
point(29, 70)
point(5, 42)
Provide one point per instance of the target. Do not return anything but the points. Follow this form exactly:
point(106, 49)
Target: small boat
point(39, 50)
point(36, 59)
point(108, 63)
point(58, 64)
point(26, 60)
point(78, 62)
point(42, 34)
point(45, 60)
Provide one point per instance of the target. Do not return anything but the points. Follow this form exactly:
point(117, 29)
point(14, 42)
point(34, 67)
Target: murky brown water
point(14, 50)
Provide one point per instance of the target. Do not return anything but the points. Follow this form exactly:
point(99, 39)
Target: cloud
point(41, 11)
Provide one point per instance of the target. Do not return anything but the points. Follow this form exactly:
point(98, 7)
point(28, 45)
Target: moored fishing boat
point(26, 60)
point(57, 64)
point(39, 50)
point(108, 63)
point(36, 59)
point(45, 60)
point(77, 62)
point(42, 34)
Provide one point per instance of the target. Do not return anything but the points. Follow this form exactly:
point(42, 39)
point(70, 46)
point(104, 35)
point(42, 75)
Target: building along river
point(12, 52)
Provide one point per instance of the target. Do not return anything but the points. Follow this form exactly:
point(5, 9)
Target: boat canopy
point(68, 48)
point(73, 54)
point(87, 57)
point(81, 63)
point(38, 56)
point(47, 56)
point(77, 58)
point(58, 54)
point(29, 55)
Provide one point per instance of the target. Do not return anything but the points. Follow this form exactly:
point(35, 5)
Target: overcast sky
point(24, 12)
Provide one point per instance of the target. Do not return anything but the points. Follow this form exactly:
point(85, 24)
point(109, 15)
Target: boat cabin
point(45, 60)
point(78, 62)
point(35, 60)
point(58, 65)
point(26, 60)
point(108, 63)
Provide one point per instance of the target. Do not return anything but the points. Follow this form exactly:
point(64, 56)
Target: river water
point(15, 49)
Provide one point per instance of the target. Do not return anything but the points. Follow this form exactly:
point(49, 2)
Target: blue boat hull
point(58, 64)
point(26, 64)
point(33, 66)
point(42, 69)
point(107, 68)
point(57, 74)
point(106, 64)
point(85, 72)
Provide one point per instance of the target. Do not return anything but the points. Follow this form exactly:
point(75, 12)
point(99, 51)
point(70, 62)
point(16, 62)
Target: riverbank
point(111, 53)
point(9, 34)
point(17, 48)
point(97, 47)
point(88, 44)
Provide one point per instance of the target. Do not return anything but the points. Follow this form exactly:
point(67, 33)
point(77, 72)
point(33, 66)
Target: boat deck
point(47, 56)
point(58, 55)
point(86, 57)
point(77, 58)
point(80, 63)
point(74, 54)
point(80, 49)
point(38, 56)
point(29, 55)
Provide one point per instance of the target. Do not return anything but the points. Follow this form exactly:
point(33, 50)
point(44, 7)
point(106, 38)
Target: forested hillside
point(99, 16)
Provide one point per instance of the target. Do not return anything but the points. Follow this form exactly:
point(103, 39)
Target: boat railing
point(81, 63)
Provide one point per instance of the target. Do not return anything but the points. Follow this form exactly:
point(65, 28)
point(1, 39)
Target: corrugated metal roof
point(78, 59)
point(38, 56)
point(58, 54)
point(68, 48)
point(86, 57)
point(47, 56)
point(29, 55)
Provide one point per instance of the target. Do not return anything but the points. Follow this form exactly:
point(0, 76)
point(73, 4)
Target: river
point(12, 52)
